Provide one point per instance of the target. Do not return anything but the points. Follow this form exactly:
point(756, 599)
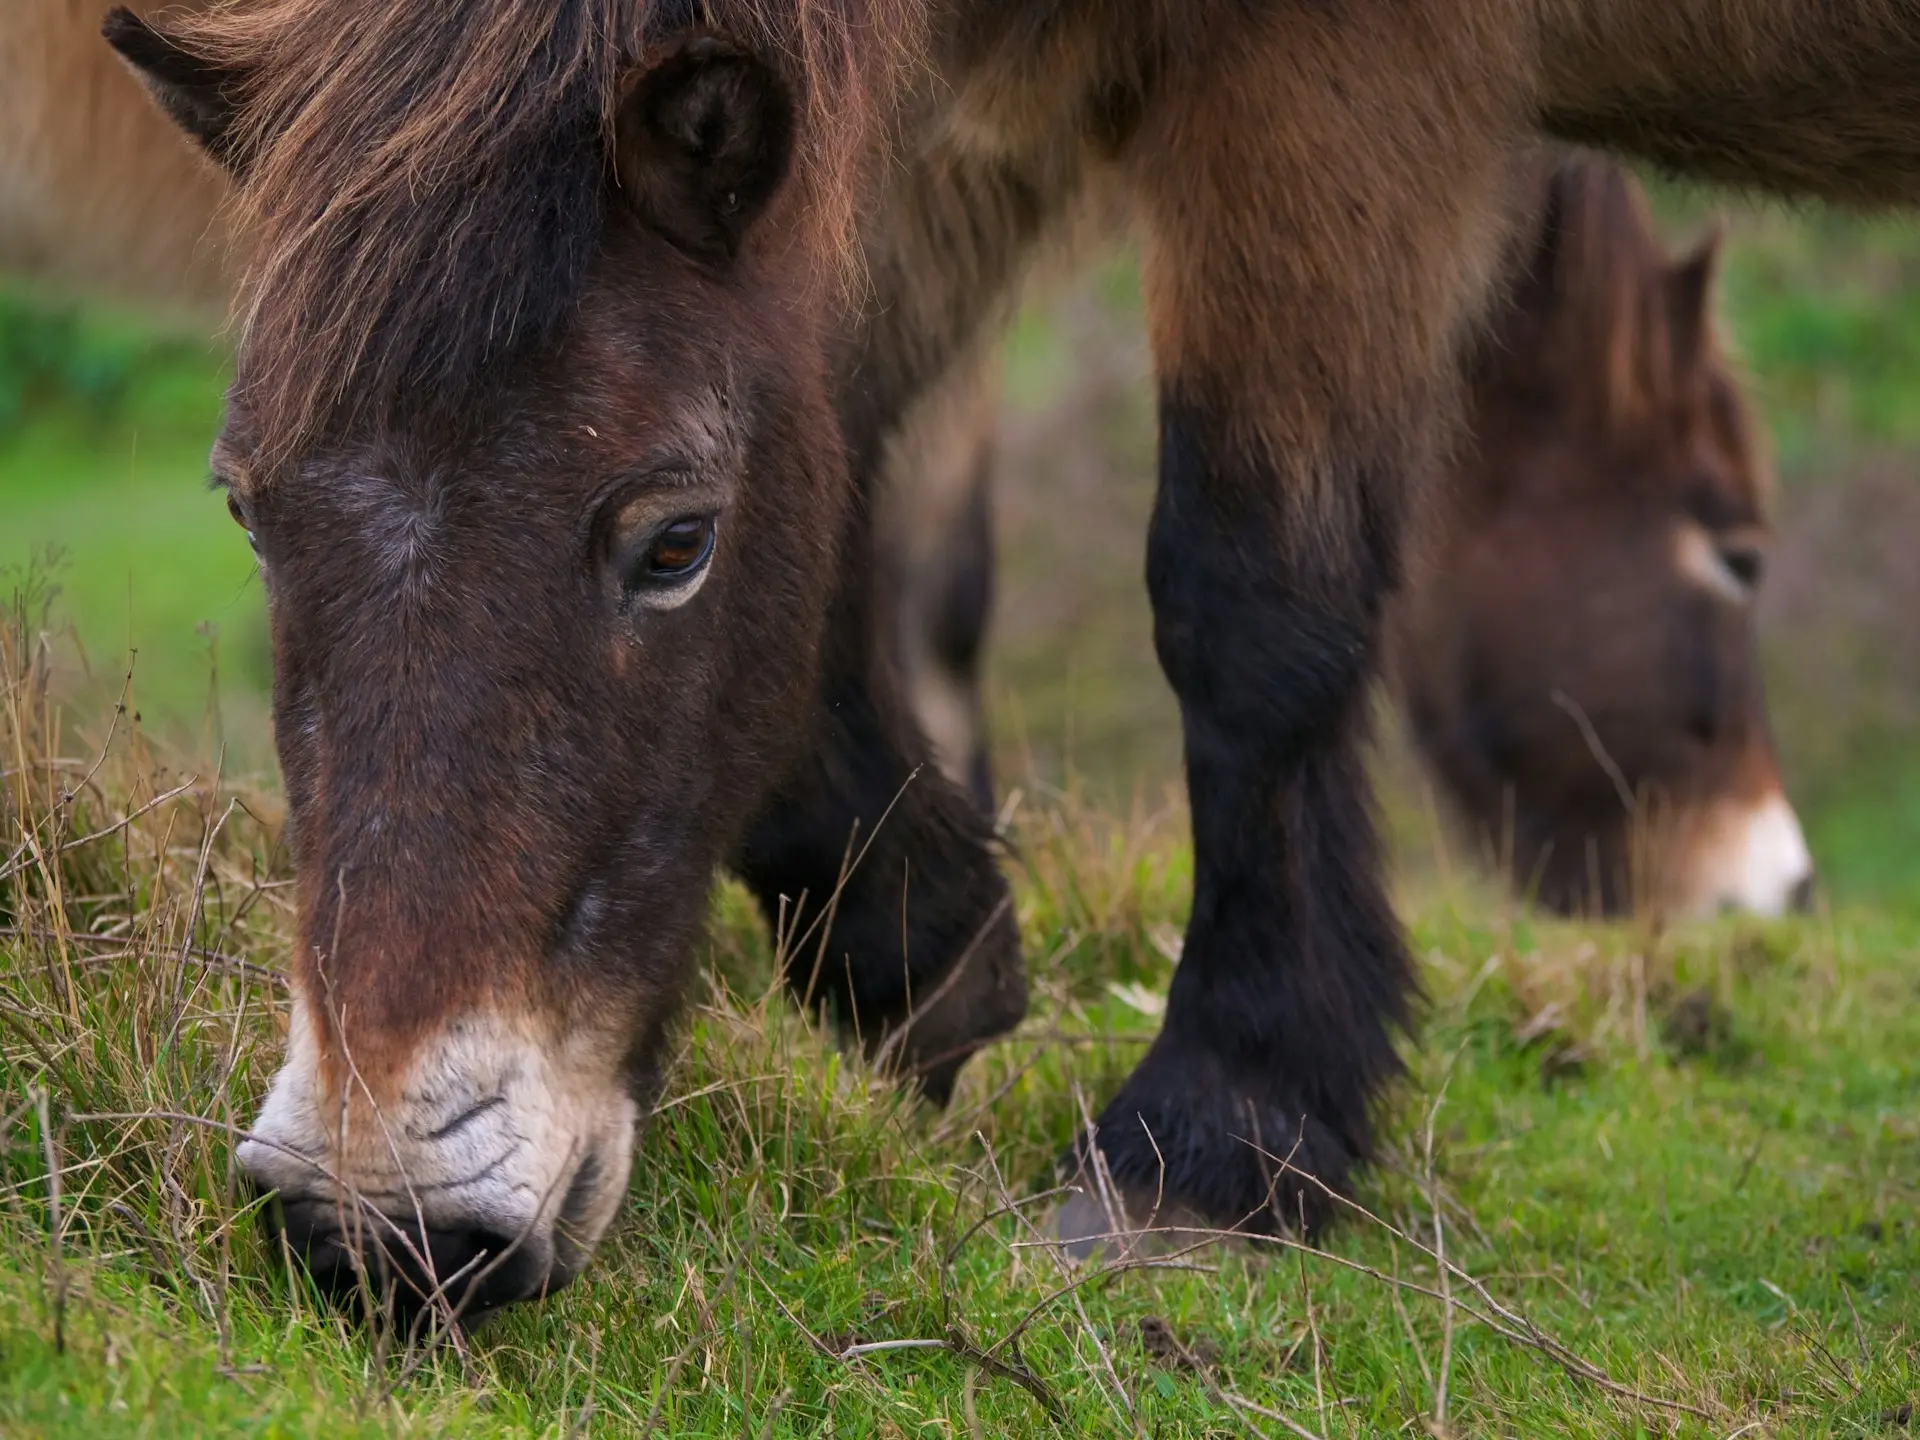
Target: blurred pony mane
point(422, 183)
point(1601, 324)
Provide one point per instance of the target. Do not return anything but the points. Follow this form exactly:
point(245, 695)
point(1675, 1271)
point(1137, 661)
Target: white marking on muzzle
point(489, 1131)
point(1752, 858)
point(1703, 562)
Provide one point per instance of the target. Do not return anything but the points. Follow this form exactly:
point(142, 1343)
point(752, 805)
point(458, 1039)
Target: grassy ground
point(1675, 1179)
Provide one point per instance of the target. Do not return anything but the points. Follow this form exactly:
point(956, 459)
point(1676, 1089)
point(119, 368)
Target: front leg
point(913, 949)
point(1293, 978)
point(934, 532)
point(1305, 289)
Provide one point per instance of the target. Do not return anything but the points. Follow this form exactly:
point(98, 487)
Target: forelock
point(424, 183)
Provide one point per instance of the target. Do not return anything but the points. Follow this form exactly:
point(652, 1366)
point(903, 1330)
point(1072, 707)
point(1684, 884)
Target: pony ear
point(197, 93)
point(1689, 287)
point(702, 142)
point(1542, 304)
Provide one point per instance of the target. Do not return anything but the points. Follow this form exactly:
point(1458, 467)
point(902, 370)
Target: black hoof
point(1188, 1145)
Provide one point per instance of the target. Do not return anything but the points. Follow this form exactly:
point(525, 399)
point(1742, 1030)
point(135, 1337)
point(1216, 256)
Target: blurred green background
point(105, 422)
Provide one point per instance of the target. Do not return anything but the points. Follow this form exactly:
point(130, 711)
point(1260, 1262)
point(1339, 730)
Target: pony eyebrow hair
point(221, 459)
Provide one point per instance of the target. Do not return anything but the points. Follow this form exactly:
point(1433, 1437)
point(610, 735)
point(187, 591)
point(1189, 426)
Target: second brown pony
point(1576, 646)
point(557, 439)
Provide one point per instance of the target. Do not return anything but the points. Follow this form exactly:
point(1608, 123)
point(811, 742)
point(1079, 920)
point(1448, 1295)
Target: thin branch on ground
point(1122, 1401)
point(1440, 1252)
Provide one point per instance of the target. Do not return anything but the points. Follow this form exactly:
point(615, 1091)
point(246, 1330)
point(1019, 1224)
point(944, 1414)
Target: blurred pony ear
point(1689, 296)
point(199, 95)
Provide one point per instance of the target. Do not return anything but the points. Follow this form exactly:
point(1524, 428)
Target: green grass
point(1690, 1158)
point(1868, 834)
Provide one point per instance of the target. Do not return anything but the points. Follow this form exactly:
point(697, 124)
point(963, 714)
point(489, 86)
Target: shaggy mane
point(1591, 316)
point(423, 181)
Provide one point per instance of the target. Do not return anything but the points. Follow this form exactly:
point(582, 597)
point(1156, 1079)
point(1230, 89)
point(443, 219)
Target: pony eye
point(674, 552)
point(240, 517)
point(1730, 565)
point(1745, 562)
point(655, 563)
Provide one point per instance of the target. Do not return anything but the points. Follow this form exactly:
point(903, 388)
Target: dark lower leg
point(1305, 311)
point(1279, 1030)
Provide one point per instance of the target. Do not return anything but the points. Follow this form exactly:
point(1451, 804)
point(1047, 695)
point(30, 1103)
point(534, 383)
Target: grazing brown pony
point(1575, 644)
point(555, 432)
point(1576, 647)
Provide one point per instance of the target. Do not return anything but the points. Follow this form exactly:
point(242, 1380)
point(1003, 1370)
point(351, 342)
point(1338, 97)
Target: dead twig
point(1509, 1324)
point(65, 846)
point(56, 1260)
point(955, 1342)
point(1239, 1405)
point(1440, 1253)
point(1124, 1407)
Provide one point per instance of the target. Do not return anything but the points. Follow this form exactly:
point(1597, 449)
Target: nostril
point(464, 1119)
point(476, 1271)
point(309, 1231)
point(1802, 897)
point(459, 1260)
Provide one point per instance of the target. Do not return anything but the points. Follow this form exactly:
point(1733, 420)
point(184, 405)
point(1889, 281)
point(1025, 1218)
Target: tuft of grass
point(1637, 1182)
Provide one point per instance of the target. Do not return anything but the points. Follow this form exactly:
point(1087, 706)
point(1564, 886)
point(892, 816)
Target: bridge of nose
point(441, 761)
point(426, 920)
